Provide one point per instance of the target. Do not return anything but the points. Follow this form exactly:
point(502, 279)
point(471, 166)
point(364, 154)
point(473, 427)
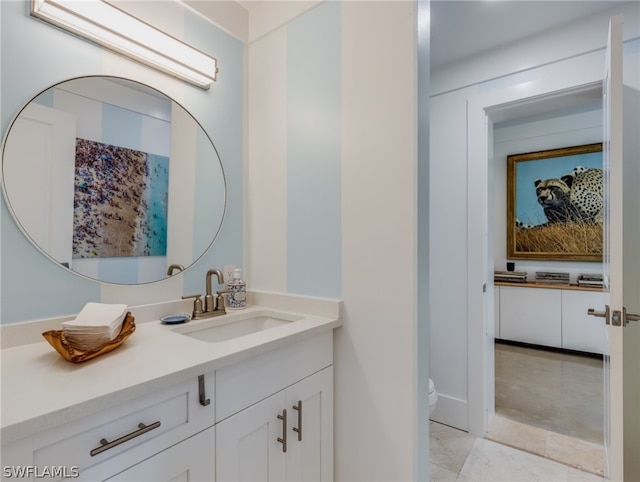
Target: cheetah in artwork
point(586, 193)
point(576, 196)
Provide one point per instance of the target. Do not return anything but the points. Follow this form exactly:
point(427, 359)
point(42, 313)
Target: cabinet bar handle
point(106, 445)
point(201, 392)
point(298, 429)
point(283, 439)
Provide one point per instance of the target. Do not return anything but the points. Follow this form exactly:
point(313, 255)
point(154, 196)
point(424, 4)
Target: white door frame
point(519, 88)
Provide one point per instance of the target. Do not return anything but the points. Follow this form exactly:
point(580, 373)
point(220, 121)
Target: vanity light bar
point(116, 30)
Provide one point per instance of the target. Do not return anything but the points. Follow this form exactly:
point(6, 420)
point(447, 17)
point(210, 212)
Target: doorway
point(541, 394)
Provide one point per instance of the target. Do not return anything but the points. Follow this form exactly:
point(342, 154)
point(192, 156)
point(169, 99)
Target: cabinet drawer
point(123, 435)
point(252, 380)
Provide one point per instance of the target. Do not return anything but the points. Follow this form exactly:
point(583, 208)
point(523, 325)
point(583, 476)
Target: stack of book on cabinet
point(510, 276)
point(591, 280)
point(549, 277)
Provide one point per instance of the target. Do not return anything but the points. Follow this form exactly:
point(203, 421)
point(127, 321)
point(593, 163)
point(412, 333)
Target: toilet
point(433, 396)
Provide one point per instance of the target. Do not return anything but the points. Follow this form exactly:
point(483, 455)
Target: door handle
point(606, 314)
point(106, 445)
point(298, 429)
point(283, 439)
point(627, 317)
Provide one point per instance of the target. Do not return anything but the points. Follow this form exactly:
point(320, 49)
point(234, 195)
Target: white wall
point(461, 95)
point(35, 56)
point(375, 392)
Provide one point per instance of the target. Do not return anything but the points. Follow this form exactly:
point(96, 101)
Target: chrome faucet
point(213, 305)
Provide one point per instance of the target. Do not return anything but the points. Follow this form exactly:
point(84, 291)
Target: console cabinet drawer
point(121, 436)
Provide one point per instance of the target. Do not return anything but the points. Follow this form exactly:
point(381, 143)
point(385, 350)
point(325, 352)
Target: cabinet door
point(531, 315)
point(579, 330)
point(190, 460)
point(247, 443)
point(310, 444)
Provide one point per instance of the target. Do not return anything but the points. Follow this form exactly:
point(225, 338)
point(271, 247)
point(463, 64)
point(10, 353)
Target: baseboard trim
point(451, 411)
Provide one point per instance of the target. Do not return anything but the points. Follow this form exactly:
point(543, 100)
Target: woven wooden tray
point(58, 341)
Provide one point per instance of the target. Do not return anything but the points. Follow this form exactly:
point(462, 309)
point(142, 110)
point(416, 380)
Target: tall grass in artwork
point(566, 238)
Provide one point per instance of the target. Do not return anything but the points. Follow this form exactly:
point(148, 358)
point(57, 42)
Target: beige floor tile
point(582, 455)
point(494, 462)
point(555, 391)
point(440, 474)
point(449, 447)
point(518, 435)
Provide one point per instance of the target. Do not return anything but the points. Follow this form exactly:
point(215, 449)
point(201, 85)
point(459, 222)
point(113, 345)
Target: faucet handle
point(197, 304)
point(220, 300)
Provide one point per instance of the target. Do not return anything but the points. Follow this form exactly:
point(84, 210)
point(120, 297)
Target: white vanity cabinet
point(174, 407)
point(103, 445)
point(550, 316)
point(190, 460)
point(287, 435)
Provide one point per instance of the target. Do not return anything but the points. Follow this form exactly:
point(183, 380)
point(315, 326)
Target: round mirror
point(113, 180)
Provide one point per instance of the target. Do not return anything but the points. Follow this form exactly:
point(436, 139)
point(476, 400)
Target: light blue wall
point(35, 55)
point(314, 126)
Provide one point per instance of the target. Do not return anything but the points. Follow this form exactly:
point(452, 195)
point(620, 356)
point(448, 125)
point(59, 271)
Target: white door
point(621, 267)
point(41, 148)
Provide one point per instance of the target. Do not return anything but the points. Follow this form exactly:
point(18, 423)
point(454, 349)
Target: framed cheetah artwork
point(555, 204)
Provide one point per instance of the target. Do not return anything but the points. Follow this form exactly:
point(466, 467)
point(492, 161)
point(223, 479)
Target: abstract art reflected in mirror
point(104, 175)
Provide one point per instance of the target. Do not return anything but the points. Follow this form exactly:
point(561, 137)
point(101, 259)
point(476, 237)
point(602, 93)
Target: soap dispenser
point(237, 292)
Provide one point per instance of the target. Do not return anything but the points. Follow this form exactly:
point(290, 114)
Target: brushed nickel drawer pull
point(283, 439)
point(106, 445)
point(298, 429)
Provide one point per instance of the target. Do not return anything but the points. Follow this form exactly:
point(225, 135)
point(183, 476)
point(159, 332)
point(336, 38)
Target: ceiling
point(461, 29)
point(464, 28)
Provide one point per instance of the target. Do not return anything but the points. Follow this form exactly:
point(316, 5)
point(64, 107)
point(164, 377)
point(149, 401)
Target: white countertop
point(41, 390)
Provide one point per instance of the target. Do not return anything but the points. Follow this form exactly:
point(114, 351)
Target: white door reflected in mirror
point(106, 176)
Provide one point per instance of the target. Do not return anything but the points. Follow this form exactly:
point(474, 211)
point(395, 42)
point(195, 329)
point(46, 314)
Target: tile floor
point(560, 392)
point(457, 456)
point(548, 424)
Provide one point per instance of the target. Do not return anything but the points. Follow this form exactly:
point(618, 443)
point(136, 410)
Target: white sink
point(227, 327)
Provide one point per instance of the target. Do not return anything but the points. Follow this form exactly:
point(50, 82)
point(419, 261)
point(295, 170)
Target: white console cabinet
point(286, 437)
point(554, 316)
point(285, 433)
point(167, 406)
point(231, 427)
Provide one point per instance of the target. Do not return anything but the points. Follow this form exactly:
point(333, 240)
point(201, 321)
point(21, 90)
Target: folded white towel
point(98, 315)
point(95, 325)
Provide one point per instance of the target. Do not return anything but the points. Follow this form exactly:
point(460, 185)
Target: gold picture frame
point(555, 204)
